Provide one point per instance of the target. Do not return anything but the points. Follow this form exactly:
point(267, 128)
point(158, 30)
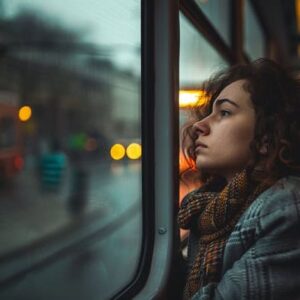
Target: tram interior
point(71, 129)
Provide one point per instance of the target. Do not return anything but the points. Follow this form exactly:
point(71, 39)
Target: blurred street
point(29, 213)
point(109, 221)
point(70, 148)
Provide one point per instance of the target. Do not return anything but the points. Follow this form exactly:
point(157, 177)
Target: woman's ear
point(264, 147)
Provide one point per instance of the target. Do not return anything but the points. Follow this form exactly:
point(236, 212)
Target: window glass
point(70, 74)
point(198, 61)
point(218, 13)
point(254, 42)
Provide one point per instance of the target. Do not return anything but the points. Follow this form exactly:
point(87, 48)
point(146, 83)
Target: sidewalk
point(44, 218)
point(37, 229)
point(31, 223)
point(29, 214)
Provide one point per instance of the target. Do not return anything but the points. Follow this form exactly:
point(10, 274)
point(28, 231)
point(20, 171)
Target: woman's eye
point(225, 113)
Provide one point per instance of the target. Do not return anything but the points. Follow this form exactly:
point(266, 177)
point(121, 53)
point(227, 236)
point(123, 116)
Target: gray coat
point(262, 256)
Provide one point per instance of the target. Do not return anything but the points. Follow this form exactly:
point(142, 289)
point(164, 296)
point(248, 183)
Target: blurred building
point(71, 89)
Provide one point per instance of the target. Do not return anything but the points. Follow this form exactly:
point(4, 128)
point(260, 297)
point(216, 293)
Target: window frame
point(199, 20)
point(160, 119)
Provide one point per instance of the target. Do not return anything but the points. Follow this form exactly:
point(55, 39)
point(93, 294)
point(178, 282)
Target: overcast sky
point(113, 24)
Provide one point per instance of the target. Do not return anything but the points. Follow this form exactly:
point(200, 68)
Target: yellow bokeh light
point(25, 113)
point(134, 151)
point(117, 151)
point(192, 98)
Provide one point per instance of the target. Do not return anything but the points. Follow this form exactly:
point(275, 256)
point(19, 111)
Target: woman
point(244, 221)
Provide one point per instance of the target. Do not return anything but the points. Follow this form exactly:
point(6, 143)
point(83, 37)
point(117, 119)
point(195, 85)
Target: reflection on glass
point(69, 91)
point(254, 43)
point(218, 13)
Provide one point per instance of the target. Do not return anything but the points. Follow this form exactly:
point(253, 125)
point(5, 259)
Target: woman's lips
point(199, 146)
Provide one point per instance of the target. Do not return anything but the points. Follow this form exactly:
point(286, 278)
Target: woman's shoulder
point(271, 223)
point(282, 196)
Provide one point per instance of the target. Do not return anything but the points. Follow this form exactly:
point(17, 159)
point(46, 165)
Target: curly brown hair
point(275, 94)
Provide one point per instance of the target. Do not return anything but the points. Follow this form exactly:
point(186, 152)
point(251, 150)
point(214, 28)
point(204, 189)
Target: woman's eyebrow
point(218, 102)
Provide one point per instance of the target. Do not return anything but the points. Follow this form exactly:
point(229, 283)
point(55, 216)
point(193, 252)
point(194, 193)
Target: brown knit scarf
point(213, 216)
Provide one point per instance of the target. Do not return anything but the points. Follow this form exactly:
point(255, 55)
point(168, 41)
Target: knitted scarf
point(213, 215)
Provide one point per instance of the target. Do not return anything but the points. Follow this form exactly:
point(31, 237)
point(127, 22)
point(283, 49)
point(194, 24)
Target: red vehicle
point(11, 160)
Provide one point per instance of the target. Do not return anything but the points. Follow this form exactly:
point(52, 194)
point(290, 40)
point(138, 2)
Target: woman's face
point(222, 144)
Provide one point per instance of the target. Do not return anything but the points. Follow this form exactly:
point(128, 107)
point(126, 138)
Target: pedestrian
point(244, 221)
point(53, 167)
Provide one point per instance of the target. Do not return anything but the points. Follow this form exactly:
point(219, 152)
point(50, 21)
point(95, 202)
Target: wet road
point(92, 270)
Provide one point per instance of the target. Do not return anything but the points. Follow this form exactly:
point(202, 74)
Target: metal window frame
point(160, 119)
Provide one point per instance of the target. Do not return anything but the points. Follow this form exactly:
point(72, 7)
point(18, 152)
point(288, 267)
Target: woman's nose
point(201, 127)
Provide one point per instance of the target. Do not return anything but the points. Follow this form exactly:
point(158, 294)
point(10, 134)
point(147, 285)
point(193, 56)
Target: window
point(218, 13)
point(198, 59)
point(75, 66)
point(254, 42)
